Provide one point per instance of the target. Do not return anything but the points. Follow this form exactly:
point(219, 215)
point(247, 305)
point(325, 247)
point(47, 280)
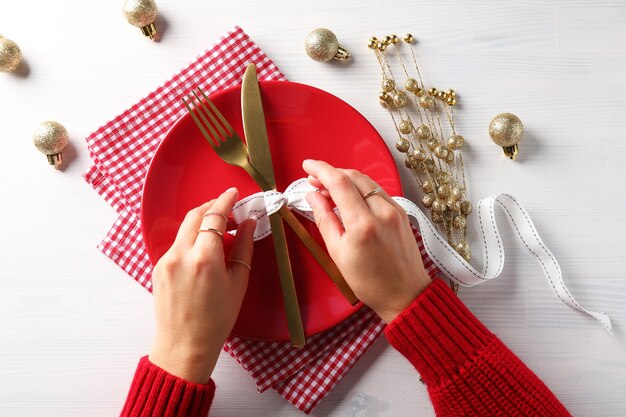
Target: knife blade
point(260, 156)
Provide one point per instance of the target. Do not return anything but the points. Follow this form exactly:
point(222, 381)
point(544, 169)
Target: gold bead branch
point(427, 136)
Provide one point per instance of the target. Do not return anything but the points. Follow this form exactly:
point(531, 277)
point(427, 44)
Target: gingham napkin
point(122, 149)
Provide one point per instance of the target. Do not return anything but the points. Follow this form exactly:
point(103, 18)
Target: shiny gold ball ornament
point(402, 145)
point(51, 138)
point(142, 13)
point(423, 132)
point(321, 45)
point(372, 43)
point(443, 177)
point(10, 55)
point(457, 194)
point(408, 38)
point(461, 247)
point(385, 100)
point(506, 130)
point(443, 191)
point(405, 127)
point(432, 144)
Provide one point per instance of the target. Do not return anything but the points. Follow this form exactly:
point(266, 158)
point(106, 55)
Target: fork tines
point(214, 126)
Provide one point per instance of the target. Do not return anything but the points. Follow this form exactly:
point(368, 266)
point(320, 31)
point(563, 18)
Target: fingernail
point(307, 162)
point(309, 198)
point(231, 190)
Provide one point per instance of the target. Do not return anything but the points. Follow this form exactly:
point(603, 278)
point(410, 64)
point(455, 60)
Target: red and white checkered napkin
point(121, 151)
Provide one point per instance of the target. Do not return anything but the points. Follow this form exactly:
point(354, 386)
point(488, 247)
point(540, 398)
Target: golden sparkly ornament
point(411, 85)
point(142, 13)
point(455, 142)
point(10, 55)
point(399, 99)
point(428, 187)
point(408, 38)
point(466, 208)
point(51, 138)
point(506, 130)
point(321, 45)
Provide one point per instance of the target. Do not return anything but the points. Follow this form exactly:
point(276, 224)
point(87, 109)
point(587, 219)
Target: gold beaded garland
point(437, 218)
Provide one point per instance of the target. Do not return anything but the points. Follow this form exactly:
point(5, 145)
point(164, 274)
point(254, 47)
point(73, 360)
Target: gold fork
point(233, 150)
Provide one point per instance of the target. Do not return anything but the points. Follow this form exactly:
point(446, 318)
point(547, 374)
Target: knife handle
point(290, 299)
point(319, 254)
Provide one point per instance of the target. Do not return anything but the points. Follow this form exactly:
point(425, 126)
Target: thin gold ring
point(215, 213)
point(212, 230)
point(241, 262)
point(373, 192)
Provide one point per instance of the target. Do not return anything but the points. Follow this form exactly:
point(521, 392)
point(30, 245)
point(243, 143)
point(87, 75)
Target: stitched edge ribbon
point(453, 265)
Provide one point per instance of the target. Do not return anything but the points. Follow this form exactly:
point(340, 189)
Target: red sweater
point(467, 369)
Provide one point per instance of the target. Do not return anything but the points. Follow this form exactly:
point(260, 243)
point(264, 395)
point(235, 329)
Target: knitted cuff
point(155, 392)
point(437, 333)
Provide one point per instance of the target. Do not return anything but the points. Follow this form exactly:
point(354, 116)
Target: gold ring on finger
point(373, 192)
point(242, 263)
point(215, 213)
point(211, 230)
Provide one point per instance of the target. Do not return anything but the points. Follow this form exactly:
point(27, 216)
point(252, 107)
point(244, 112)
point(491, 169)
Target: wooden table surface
point(73, 325)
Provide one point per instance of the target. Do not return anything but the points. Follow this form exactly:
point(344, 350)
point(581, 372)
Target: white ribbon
point(263, 204)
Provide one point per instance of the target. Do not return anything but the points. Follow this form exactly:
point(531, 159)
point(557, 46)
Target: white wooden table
point(73, 325)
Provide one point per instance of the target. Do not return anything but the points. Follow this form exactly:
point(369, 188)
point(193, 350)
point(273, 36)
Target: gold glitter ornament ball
point(142, 13)
point(321, 45)
point(10, 55)
point(506, 130)
point(51, 138)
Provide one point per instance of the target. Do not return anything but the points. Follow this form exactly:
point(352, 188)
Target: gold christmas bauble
point(10, 55)
point(321, 45)
point(506, 129)
point(51, 138)
point(142, 13)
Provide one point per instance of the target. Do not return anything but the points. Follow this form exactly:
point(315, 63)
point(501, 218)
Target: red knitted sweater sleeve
point(157, 393)
point(467, 369)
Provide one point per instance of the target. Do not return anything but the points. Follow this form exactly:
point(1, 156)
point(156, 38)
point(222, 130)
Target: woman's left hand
point(198, 293)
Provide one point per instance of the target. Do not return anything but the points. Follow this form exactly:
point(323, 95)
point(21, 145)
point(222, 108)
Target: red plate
point(303, 122)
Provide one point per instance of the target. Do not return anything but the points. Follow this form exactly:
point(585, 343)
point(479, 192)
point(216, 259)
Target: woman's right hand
point(374, 248)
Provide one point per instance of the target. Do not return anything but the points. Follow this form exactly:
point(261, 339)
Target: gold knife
point(261, 158)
